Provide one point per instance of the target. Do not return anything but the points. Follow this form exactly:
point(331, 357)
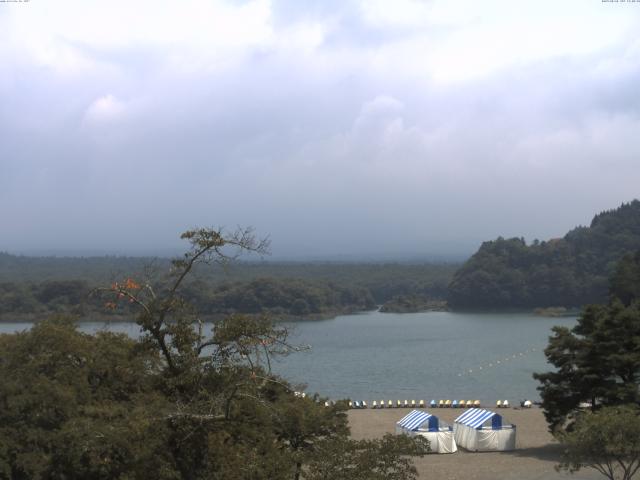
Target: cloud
point(335, 126)
point(105, 108)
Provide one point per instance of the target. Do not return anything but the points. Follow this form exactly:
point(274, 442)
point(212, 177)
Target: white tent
point(482, 431)
point(421, 423)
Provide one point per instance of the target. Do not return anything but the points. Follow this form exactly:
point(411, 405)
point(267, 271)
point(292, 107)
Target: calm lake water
point(431, 355)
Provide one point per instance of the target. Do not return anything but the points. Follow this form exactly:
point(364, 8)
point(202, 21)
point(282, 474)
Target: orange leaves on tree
point(131, 284)
point(122, 290)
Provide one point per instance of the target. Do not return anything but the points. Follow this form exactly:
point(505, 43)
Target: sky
point(341, 129)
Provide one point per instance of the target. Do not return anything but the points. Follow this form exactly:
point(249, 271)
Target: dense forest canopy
point(569, 271)
point(32, 286)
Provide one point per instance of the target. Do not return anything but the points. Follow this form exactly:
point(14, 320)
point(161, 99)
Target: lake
point(430, 355)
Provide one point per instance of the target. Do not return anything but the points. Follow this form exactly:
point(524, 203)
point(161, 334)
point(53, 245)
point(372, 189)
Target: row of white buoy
point(481, 368)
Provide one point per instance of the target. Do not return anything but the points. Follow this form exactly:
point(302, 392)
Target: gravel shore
point(535, 456)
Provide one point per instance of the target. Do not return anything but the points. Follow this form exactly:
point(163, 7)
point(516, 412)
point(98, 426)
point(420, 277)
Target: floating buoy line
point(478, 369)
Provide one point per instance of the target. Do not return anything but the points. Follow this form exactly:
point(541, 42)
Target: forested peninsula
point(570, 271)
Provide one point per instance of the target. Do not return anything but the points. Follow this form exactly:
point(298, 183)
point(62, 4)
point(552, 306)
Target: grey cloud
point(350, 159)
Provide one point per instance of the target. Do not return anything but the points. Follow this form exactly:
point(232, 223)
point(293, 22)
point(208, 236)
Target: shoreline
point(535, 457)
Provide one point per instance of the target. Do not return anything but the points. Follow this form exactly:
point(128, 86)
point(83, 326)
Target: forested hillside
point(569, 271)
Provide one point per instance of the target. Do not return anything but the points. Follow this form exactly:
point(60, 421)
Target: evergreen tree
point(598, 360)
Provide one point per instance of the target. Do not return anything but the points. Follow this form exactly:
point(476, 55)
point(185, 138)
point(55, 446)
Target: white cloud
point(354, 120)
point(104, 109)
point(452, 42)
point(399, 14)
point(64, 35)
point(440, 40)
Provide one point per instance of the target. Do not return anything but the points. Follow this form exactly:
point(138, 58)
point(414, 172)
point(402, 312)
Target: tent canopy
point(477, 417)
point(472, 432)
point(416, 419)
point(423, 424)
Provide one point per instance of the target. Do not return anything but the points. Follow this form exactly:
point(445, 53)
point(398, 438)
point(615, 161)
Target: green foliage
point(379, 459)
point(281, 298)
point(607, 441)
point(625, 282)
point(282, 290)
point(383, 280)
point(570, 271)
point(598, 362)
point(71, 404)
point(179, 403)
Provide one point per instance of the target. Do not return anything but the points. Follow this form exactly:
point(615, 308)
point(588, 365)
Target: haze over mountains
point(571, 271)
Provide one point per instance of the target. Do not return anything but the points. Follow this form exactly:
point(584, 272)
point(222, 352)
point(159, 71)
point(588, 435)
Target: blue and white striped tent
point(483, 430)
point(476, 418)
point(421, 423)
point(416, 419)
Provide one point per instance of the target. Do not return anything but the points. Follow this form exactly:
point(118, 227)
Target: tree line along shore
point(547, 276)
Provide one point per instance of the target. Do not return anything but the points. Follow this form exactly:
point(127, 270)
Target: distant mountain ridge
point(569, 271)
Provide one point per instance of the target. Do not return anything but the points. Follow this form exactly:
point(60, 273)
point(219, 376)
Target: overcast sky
point(398, 127)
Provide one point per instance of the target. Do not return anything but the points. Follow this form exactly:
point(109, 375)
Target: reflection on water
point(430, 355)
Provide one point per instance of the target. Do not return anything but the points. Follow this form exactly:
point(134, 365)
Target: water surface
point(431, 355)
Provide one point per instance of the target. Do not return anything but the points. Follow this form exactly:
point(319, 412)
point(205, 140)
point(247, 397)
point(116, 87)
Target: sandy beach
point(535, 456)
